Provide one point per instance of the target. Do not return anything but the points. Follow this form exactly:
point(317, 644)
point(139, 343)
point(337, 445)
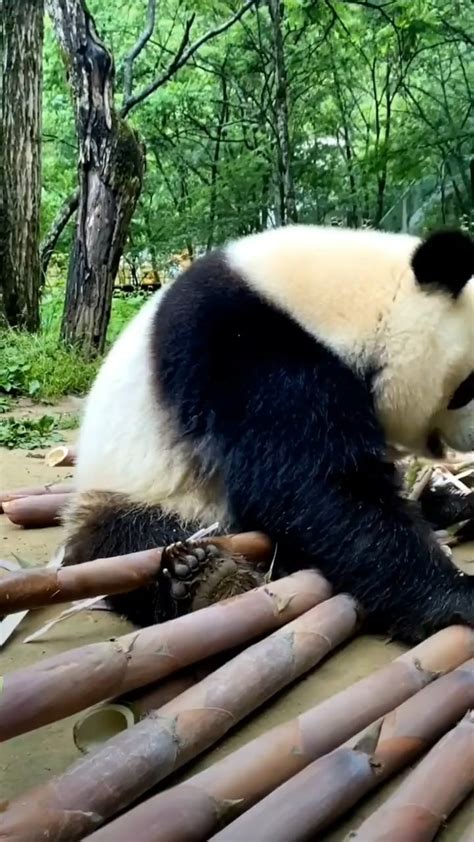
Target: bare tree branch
point(137, 48)
point(183, 55)
point(459, 32)
point(174, 65)
point(48, 245)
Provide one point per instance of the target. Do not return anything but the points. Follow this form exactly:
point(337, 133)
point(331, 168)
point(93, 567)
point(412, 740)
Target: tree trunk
point(111, 167)
point(286, 189)
point(21, 47)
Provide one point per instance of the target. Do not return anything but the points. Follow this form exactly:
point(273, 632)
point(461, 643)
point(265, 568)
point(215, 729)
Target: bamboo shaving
point(418, 474)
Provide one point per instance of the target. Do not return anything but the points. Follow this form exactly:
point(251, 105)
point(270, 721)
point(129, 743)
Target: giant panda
point(264, 389)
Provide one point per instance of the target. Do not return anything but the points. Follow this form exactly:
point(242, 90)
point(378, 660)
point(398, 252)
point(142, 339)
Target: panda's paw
point(183, 563)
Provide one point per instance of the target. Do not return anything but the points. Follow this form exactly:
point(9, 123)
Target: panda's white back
point(119, 426)
point(127, 440)
point(338, 283)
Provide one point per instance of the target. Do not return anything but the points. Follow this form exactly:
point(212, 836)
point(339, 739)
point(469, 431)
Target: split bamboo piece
point(38, 587)
point(421, 804)
point(63, 456)
point(34, 491)
point(56, 687)
point(193, 810)
point(307, 803)
point(75, 803)
point(37, 511)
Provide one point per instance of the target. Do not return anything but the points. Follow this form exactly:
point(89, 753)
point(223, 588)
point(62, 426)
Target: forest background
point(138, 134)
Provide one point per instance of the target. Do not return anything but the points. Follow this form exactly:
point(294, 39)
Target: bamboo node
point(430, 675)
point(281, 602)
point(225, 808)
point(368, 742)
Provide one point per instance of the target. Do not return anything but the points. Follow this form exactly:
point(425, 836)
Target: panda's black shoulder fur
point(292, 431)
point(225, 357)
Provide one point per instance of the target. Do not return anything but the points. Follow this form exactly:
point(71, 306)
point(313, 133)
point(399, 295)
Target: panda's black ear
point(445, 261)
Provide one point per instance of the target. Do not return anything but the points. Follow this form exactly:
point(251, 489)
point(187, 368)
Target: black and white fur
point(263, 388)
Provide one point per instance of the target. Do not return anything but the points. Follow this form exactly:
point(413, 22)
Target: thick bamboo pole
point(104, 721)
point(37, 511)
point(34, 491)
point(43, 586)
point(56, 687)
point(423, 802)
point(306, 804)
point(193, 810)
point(75, 803)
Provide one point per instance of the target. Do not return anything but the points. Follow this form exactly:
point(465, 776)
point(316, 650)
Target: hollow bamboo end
point(61, 456)
point(99, 725)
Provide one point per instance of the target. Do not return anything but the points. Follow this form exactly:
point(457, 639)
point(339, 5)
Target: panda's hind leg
point(103, 524)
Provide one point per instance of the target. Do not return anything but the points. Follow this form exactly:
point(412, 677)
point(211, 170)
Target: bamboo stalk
point(74, 804)
point(33, 491)
point(37, 511)
point(443, 779)
point(63, 456)
point(193, 810)
point(56, 687)
point(311, 800)
point(38, 587)
point(146, 699)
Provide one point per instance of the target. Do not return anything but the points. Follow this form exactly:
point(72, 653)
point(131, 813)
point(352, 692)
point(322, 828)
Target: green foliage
point(40, 368)
point(29, 433)
point(123, 309)
point(387, 84)
point(68, 421)
point(6, 404)
point(380, 126)
point(379, 98)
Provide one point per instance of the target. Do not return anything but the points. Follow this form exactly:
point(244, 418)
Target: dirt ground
point(30, 759)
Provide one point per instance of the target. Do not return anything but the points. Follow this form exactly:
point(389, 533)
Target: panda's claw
point(174, 551)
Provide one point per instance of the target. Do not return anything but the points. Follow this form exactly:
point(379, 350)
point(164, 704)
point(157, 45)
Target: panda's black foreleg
point(444, 506)
point(306, 465)
point(292, 433)
point(354, 527)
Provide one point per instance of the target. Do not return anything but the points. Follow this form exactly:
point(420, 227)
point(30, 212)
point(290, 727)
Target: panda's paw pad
point(182, 563)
